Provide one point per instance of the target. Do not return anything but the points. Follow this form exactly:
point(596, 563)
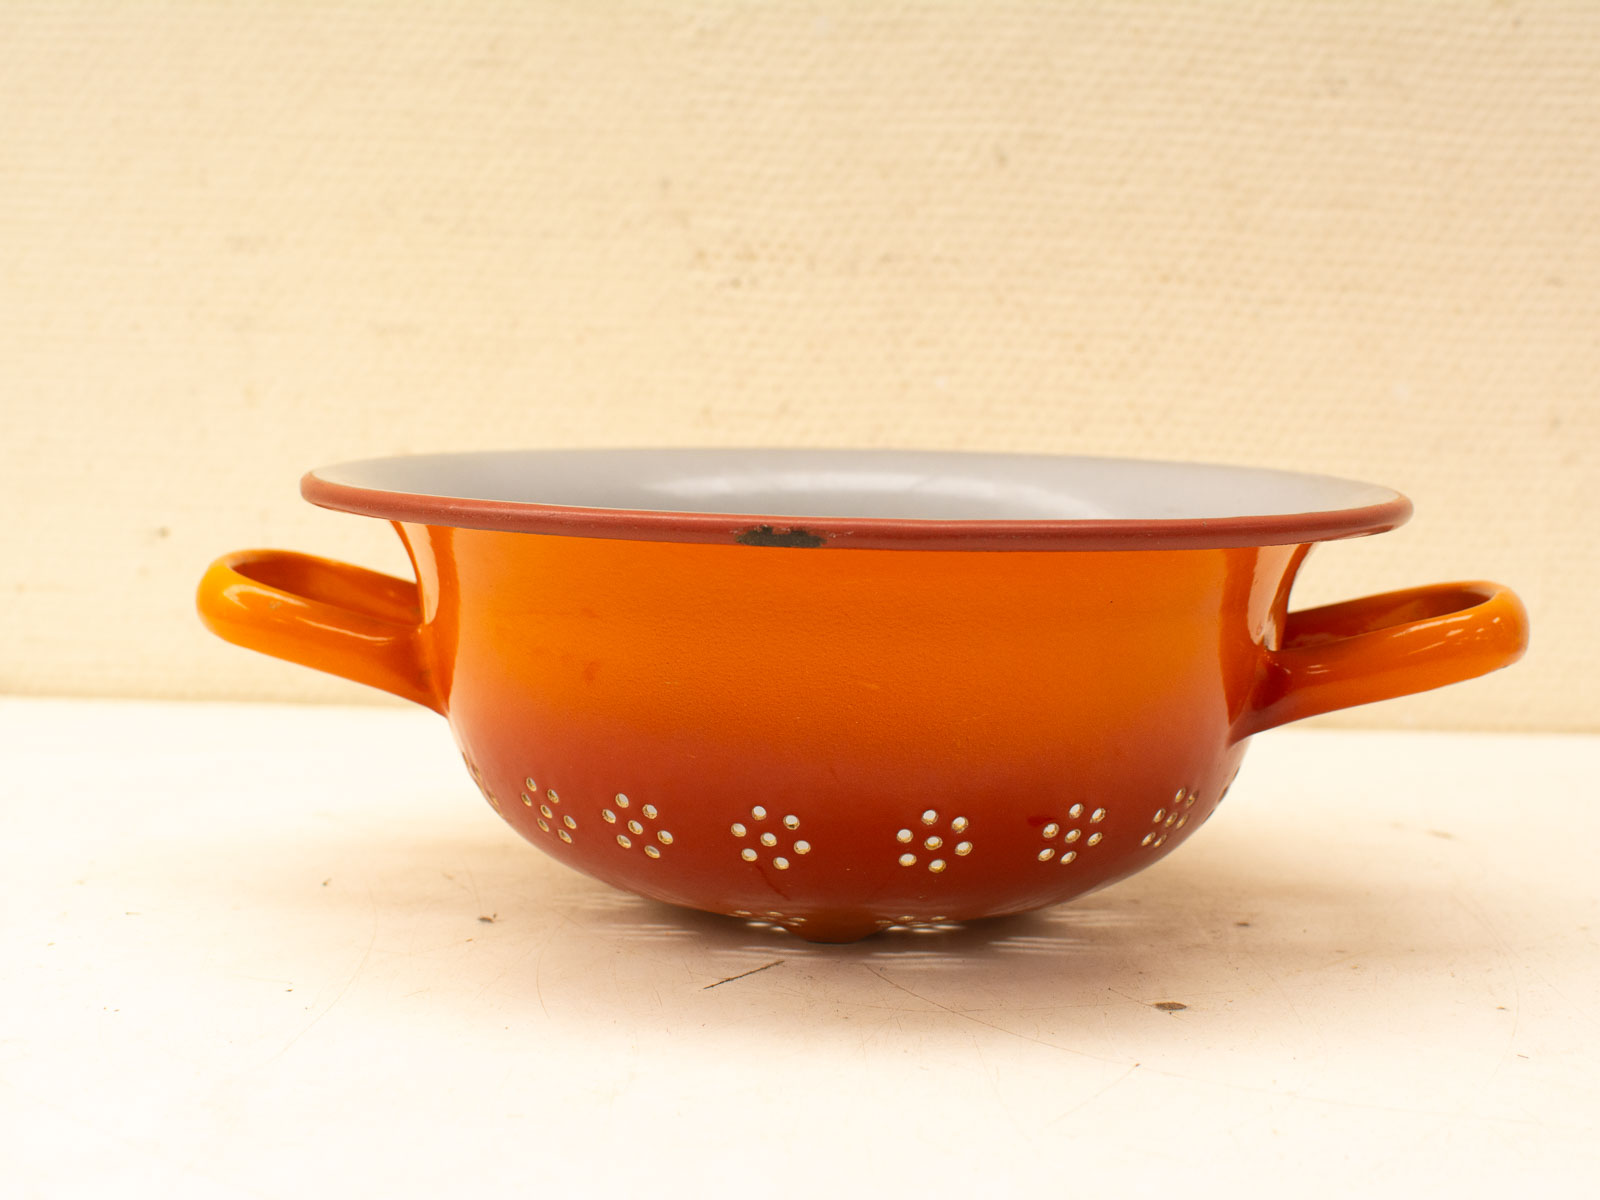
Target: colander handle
point(1380, 647)
point(342, 619)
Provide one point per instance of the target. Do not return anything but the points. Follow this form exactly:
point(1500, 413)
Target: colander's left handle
point(346, 620)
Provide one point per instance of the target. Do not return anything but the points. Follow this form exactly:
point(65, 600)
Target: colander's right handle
point(1380, 647)
point(346, 620)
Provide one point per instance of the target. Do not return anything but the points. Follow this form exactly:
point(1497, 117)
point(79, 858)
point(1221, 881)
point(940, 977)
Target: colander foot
point(837, 929)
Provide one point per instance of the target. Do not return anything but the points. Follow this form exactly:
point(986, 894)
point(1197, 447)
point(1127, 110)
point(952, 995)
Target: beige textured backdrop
point(237, 241)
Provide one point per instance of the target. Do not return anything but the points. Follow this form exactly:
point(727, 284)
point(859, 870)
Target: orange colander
point(842, 690)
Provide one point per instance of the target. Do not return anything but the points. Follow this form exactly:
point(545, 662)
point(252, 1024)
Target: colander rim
point(488, 490)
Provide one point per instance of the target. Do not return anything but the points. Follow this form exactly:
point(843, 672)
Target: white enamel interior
point(902, 485)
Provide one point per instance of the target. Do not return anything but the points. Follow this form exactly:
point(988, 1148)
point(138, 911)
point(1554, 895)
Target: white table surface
point(278, 951)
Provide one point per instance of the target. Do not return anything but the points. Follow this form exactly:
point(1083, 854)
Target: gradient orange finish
point(840, 740)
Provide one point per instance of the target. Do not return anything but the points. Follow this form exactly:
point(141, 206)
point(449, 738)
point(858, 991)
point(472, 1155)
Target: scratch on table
point(743, 975)
point(977, 1020)
point(1094, 1095)
point(343, 990)
point(1517, 962)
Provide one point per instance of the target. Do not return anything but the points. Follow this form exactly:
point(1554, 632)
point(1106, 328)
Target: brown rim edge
point(858, 533)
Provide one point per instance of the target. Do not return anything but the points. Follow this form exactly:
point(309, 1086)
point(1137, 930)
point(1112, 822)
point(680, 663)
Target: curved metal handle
point(1380, 647)
point(338, 618)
